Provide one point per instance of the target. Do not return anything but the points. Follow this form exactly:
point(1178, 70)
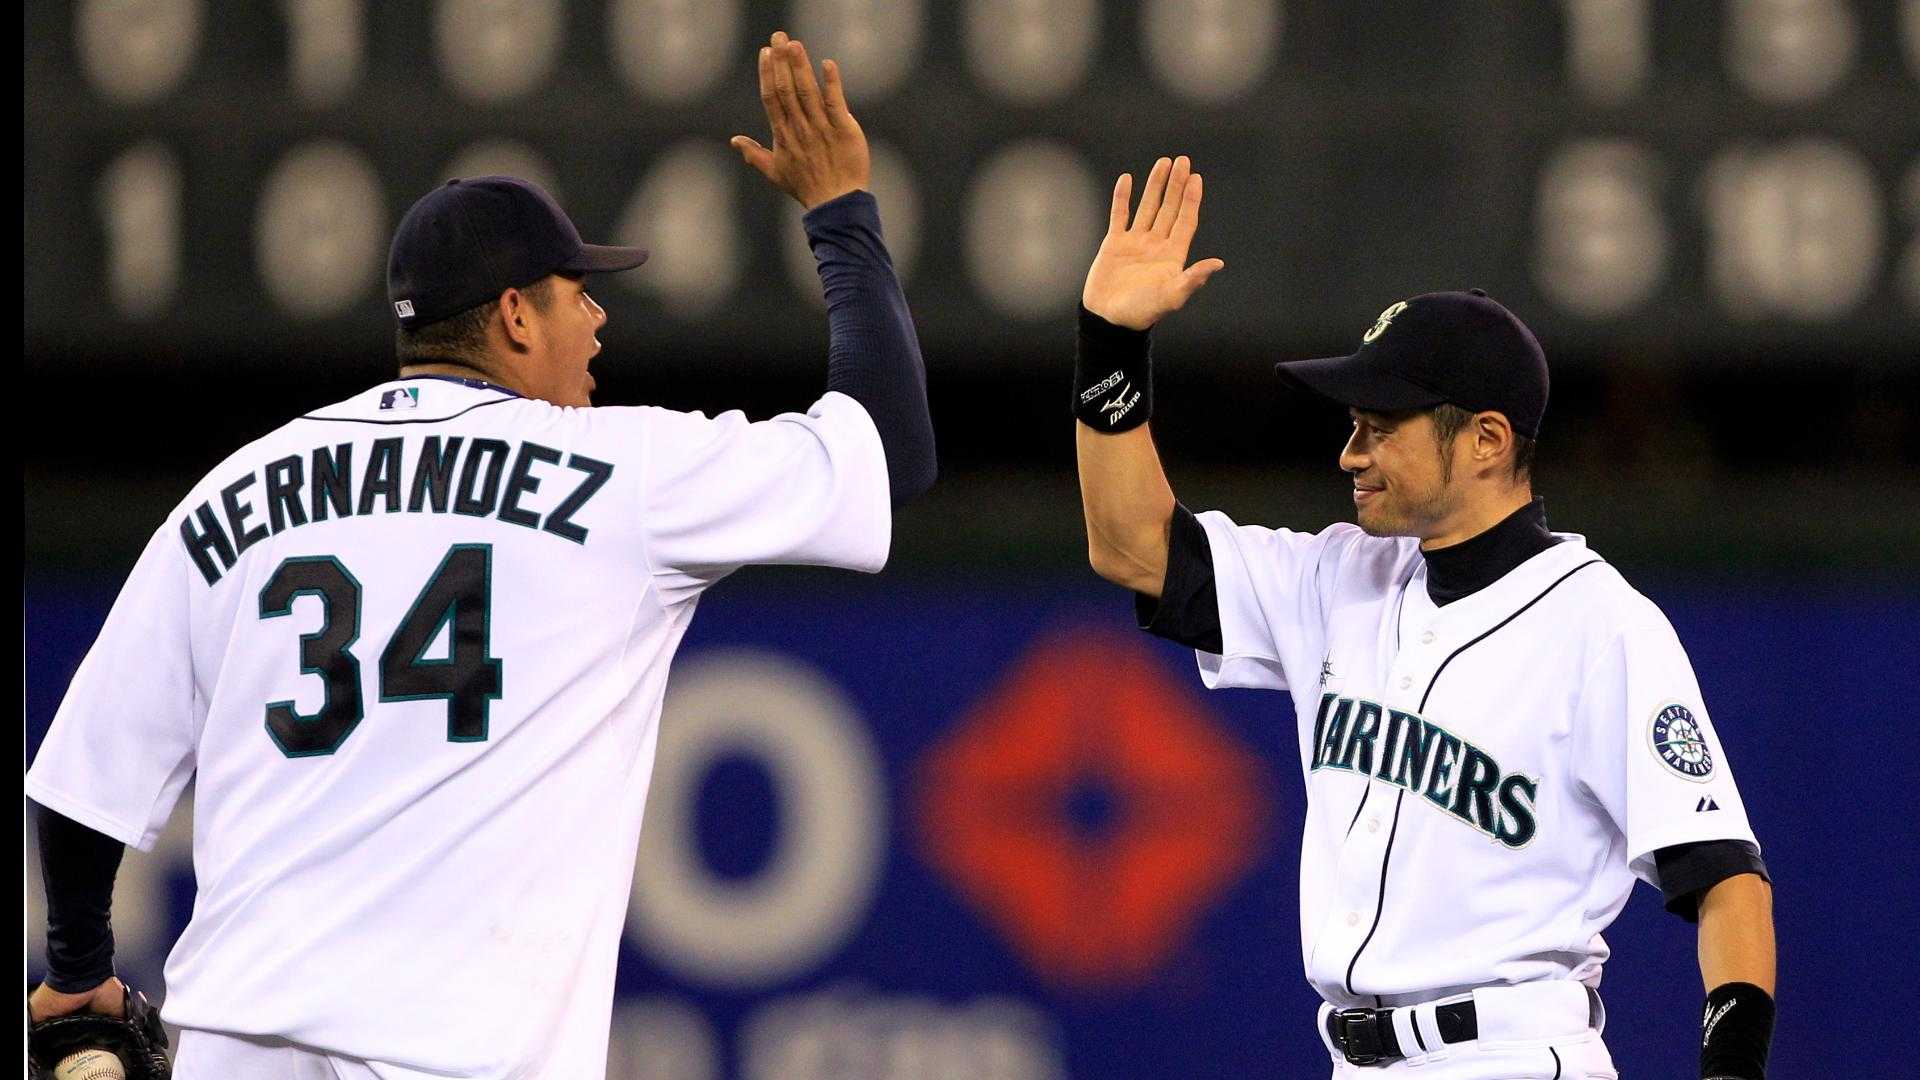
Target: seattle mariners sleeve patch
point(1677, 738)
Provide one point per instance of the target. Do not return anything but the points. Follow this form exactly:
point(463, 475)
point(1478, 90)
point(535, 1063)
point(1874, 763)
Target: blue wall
point(1051, 899)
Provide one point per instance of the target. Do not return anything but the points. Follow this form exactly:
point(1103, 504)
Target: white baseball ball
point(90, 1065)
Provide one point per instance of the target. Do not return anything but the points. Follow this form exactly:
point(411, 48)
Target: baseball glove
point(137, 1040)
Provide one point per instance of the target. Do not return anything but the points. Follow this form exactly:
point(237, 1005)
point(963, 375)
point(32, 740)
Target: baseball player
point(411, 647)
point(1497, 733)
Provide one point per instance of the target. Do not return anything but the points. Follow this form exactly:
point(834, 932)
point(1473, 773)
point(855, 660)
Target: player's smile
point(1439, 462)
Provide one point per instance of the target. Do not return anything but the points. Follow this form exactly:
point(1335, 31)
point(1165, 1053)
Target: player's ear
point(1492, 437)
point(514, 319)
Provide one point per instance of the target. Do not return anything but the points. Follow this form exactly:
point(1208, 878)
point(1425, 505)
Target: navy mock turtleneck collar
point(1462, 569)
point(477, 384)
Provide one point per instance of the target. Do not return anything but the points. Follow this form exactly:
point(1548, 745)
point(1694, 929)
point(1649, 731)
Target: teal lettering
point(521, 481)
point(1516, 806)
point(1414, 751)
point(1397, 721)
point(209, 540)
point(1336, 734)
point(560, 522)
point(433, 474)
point(285, 478)
point(1359, 752)
point(1439, 781)
point(333, 481)
point(476, 496)
point(1473, 795)
point(238, 512)
point(382, 476)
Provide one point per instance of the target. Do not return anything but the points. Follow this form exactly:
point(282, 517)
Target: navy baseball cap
point(467, 241)
point(1460, 348)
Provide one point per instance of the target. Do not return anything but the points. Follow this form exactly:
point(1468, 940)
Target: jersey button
point(1406, 681)
point(1373, 824)
point(1353, 918)
point(1426, 638)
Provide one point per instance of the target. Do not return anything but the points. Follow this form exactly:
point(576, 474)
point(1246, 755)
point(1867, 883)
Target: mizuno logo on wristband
point(1120, 406)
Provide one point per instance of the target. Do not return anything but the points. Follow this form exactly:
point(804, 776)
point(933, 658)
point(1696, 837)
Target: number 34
point(457, 597)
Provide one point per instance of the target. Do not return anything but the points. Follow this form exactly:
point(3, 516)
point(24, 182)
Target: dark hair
point(1450, 420)
point(461, 337)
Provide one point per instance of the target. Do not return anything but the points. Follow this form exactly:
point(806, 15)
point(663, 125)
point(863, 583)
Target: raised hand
point(1141, 272)
point(819, 152)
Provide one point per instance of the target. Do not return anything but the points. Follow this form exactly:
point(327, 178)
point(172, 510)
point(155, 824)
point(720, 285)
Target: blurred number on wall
point(1210, 51)
point(1781, 221)
point(139, 200)
point(675, 50)
point(135, 52)
point(320, 232)
point(1034, 216)
point(326, 45)
point(1030, 52)
point(683, 213)
point(496, 50)
point(1609, 48)
point(1792, 229)
point(1789, 51)
point(876, 41)
point(1600, 244)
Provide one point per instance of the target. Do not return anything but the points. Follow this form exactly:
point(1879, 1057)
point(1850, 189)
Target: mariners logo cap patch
point(1385, 320)
point(1679, 742)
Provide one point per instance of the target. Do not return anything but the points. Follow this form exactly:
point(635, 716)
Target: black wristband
point(1736, 1031)
point(1112, 376)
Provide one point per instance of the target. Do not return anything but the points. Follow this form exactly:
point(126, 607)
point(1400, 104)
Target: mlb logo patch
point(403, 308)
point(407, 397)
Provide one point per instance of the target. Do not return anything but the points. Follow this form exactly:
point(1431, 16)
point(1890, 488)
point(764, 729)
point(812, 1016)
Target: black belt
point(1366, 1035)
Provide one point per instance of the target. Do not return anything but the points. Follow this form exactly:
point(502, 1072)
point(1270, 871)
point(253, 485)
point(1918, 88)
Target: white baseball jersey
point(1485, 779)
point(411, 649)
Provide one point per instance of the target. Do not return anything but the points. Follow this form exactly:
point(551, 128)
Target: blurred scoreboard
point(1700, 182)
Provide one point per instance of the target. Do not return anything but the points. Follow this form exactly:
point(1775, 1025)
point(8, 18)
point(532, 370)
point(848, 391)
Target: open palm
point(1141, 272)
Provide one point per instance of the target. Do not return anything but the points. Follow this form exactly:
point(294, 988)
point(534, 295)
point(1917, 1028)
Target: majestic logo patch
point(407, 397)
point(403, 308)
point(1678, 741)
point(1385, 320)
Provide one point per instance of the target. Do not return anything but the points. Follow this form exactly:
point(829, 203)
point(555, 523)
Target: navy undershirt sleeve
point(1687, 871)
point(78, 865)
point(1188, 608)
point(873, 355)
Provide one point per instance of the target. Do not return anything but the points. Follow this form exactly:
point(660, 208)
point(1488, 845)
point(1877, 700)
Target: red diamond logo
point(1091, 808)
